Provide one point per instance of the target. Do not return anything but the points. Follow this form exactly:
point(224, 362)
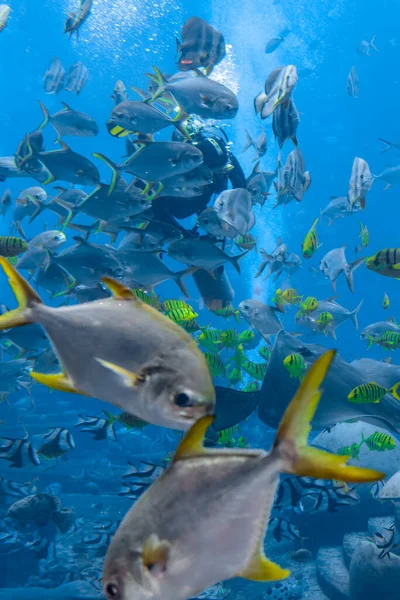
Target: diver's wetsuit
point(212, 142)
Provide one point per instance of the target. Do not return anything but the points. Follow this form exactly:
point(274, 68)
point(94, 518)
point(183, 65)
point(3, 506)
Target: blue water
point(122, 40)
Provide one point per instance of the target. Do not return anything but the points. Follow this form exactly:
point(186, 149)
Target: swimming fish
point(278, 86)
point(385, 301)
point(310, 242)
point(56, 443)
point(124, 371)
point(379, 441)
point(385, 262)
point(295, 365)
point(334, 263)
point(202, 46)
point(198, 477)
point(372, 392)
point(12, 246)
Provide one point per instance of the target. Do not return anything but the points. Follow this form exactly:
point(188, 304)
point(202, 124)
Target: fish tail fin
point(114, 168)
point(249, 141)
point(349, 272)
point(388, 145)
point(393, 390)
point(362, 439)
point(46, 115)
point(25, 296)
point(235, 260)
point(290, 444)
point(354, 313)
point(373, 43)
point(180, 275)
point(160, 80)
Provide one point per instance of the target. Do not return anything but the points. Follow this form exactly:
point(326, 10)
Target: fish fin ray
point(192, 443)
point(25, 295)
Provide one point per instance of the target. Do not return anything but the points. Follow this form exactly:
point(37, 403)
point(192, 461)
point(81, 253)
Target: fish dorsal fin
point(331, 299)
point(259, 568)
point(64, 146)
point(192, 443)
point(66, 106)
point(118, 290)
point(256, 168)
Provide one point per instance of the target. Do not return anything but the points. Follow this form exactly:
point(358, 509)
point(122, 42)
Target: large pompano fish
point(278, 87)
point(334, 263)
point(121, 351)
point(339, 315)
point(216, 503)
point(338, 208)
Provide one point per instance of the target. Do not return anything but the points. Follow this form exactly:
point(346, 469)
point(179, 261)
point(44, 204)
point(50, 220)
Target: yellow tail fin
point(394, 392)
point(291, 439)
point(24, 294)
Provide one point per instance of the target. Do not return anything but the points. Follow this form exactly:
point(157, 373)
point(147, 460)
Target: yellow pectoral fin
point(396, 267)
point(192, 443)
point(59, 381)
point(127, 377)
point(259, 568)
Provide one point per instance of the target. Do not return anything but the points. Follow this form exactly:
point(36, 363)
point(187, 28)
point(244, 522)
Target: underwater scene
point(199, 307)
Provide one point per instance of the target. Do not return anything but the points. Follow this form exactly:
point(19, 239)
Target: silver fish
point(352, 83)
point(132, 116)
point(200, 95)
point(334, 263)
point(278, 86)
point(361, 181)
point(70, 122)
point(259, 183)
point(77, 78)
point(389, 145)
point(391, 176)
point(234, 207)
point(54, 77)
point(276, 260)
point(338, 208)
point(202, 253)
point(375, 330)
point(259, 144)
point(262, 317)
point(338, 312)
point(119, 94)
point(121, 351)
point(212, 224)
point(172, 554)
point(364, 47)
point(75, 20)
point(285, 120)
point(296, 180)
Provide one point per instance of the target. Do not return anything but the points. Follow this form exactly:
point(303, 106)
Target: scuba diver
point(214, 144)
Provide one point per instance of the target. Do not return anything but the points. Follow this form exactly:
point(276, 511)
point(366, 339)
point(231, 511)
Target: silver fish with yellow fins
point(174, 553)
point(122, 351)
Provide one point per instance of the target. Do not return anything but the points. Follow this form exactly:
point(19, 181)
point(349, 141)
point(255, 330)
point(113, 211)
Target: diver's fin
point(24, 294)
point(259, 568)
point(129, 379)
point(192, 443)
point(291, 440)
point(58, 381)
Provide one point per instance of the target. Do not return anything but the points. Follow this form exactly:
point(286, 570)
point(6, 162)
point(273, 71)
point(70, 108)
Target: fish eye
point(246, 306)
point(205, 220)
point(183, 399)
point(38, 196)
point(112, 590)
